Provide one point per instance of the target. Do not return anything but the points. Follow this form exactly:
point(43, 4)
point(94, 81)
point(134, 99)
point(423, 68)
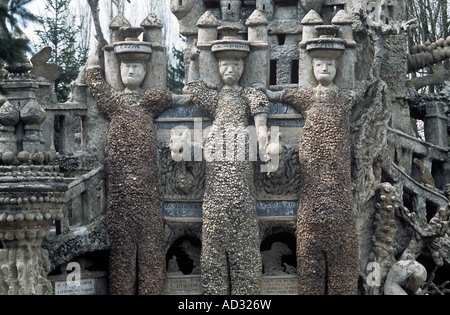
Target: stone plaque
point(175, 209)
point(276, 208)
point(183, 285)
point(279, 285)
point(271, 285)
point(85, 287)
point(264, 208)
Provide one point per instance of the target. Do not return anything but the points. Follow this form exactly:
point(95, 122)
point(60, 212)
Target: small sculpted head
point(231, 70)
point(133, 74)
point(325, 70)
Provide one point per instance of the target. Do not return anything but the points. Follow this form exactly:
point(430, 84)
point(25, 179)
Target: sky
point(135, 12)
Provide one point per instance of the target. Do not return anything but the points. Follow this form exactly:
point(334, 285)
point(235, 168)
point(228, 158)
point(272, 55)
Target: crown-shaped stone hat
point(132, 49)
point(327, 45)
point(230, 46)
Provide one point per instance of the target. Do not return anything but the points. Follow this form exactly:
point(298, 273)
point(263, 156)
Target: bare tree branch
point(101, 42)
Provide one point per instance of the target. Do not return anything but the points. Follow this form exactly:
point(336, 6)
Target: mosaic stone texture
point(134, 214)
point(327, 245)
point(231, 259)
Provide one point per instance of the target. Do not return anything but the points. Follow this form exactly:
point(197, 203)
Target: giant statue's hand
point(271, 95)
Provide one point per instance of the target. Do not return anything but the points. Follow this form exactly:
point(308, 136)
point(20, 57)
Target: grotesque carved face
point(133, 74)
point(324, 70)
point(231, 70)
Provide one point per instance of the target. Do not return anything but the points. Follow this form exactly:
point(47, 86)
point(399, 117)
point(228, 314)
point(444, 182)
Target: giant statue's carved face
point(133, 74)
point(231, 70)
point(324, 70)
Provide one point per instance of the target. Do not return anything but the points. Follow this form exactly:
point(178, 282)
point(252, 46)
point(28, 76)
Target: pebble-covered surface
point(231, 258)
point(327, 245)
point(134, 215)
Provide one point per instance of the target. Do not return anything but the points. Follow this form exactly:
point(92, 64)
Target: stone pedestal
point(31, 198)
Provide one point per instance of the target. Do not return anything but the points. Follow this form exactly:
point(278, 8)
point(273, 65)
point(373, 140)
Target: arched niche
point(278, 254)
point(183, 256)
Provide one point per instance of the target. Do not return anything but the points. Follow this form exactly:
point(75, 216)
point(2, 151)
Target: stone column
point(31, 198)
point(207, 34)
point(32, 115)
point(9, 117)
point(156, 65)
point(257, 65)
point(436, 123)
point(345, 77)
point(112, 76)
point(306, 75)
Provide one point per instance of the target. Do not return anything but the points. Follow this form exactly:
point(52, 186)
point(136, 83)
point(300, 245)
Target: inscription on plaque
point(220, 47)
point(264, 208)
point(279, 285)
point(86, 287)
point(191, 285)
point(183, 285)
point(182, 209)
point(325, 45)
point(276, 208)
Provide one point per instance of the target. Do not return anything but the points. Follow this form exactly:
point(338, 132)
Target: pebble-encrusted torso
point(324, 151)
point(131, 139)
point(230, 237)
point(134, 218)
point(326, 231)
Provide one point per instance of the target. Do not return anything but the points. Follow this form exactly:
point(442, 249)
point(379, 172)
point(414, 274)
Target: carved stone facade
point(389, 183)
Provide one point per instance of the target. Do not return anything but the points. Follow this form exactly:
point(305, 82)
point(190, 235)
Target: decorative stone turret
point(112, 76)
point(346, 67)
point(207, 28)
point(257, 69)
point(32, 192)
point(309, 22)
point(207, 33)
point(156, 65)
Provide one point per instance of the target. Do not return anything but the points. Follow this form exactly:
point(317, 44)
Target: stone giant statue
point(231, 258)
point(134, 214)
point(327, 245)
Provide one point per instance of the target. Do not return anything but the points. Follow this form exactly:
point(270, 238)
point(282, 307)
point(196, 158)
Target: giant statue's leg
point(151, 264)
point(245, 265)
point(214, 262)
point(122, 262)
point(343, 260)
point(311, 263)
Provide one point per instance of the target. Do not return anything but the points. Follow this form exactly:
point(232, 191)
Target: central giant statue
point(231, 258)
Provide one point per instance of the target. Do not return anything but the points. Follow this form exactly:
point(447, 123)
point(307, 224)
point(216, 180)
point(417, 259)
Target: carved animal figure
point(180, 149)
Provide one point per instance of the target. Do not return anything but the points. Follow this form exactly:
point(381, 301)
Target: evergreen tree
point(12, 50)
point(60, 32)
point(176, 71)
